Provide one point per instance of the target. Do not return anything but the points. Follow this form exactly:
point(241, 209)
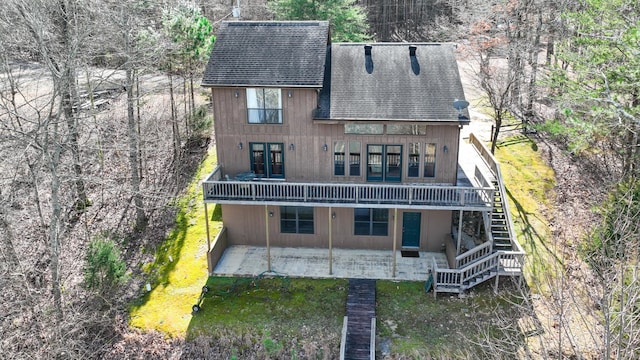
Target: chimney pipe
point(412, 51)
point(367, 50)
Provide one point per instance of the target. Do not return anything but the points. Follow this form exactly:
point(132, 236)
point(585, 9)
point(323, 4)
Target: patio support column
point(206, 225)
point(266, 222)
point(330, 242)
point(459, 233)
point(395, 237)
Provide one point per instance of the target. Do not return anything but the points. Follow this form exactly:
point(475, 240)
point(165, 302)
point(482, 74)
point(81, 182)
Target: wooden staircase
point(506, 257)
point(361, 309)
point(499, 222)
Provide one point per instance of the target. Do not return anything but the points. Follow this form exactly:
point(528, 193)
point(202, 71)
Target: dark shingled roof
point(284, 53)
point(391, 85)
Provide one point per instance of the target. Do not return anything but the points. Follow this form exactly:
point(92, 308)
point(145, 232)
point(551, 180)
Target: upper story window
point(346, 158)
point(384, 163)
point(264, 106)
point(430, 160)
point(267, 159)
point(414, 160)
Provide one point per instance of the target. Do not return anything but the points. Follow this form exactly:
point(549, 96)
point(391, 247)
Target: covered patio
point(240, 260)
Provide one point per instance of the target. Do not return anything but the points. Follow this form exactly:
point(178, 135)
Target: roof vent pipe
point(367, 50)
point(412, 51)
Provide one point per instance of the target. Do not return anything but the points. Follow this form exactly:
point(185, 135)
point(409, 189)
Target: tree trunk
point(174, 121)
point(496, 132)
point(187, 112)
point(533, 61)
point(69, 93)
point(141, 217)
point(53, 160)
point(193, 100)
point(138, 121)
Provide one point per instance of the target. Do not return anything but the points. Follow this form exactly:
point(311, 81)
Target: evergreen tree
point(348, 21)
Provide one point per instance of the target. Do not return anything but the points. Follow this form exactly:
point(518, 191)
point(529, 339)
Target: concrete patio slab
point(312, 262)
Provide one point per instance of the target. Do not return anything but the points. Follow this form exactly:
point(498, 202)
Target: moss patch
point(529, 183)
point(179, 269)
point(285, 308)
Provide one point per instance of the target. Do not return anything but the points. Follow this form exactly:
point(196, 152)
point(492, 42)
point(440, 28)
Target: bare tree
point(496, 81)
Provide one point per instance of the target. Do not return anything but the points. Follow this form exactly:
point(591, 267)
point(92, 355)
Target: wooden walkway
point(361, 308)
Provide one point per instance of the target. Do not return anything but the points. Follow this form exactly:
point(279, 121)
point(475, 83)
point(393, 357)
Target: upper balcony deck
point(472, 192)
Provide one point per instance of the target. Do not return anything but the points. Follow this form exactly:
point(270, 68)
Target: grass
point(179, 269)
point(420, 326)
point(286, 307)
point(529, 183)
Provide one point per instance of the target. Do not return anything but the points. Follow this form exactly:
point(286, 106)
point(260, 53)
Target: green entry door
point(411, 230)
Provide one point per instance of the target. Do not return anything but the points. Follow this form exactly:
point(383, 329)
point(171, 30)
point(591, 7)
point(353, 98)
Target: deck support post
point(459, 233)
point(395, 236)
point(330, 242)
point(206, 225)
point(495, 287)
point(266, 221)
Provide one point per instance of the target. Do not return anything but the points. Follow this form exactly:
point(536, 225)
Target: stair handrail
point(372, 340)
point(478, 266)
point(343, 342)
point(493, 164)
point(472, 255)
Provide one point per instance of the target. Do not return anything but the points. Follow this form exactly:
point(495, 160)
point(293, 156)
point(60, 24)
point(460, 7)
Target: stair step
point(449, 289)
point(501, 245)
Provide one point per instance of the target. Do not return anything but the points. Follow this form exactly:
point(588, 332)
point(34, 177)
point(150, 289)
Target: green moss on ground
point(286, 308)
point(530, 186)
point(179, 269)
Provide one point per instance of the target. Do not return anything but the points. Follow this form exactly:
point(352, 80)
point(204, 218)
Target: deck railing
point(493, 164)
point(220, 190)
point(498, 263)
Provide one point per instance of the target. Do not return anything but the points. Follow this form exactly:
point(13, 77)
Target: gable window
point(267, 159)
point(264, 106)
point(430, 160)
point(296, 220)
point(371, 222)
point(414, 160)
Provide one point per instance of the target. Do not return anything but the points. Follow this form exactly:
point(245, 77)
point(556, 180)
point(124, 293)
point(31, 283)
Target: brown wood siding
point(308, 162)
point(246, 226)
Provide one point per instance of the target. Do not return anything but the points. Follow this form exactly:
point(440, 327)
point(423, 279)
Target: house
point(346, 146)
